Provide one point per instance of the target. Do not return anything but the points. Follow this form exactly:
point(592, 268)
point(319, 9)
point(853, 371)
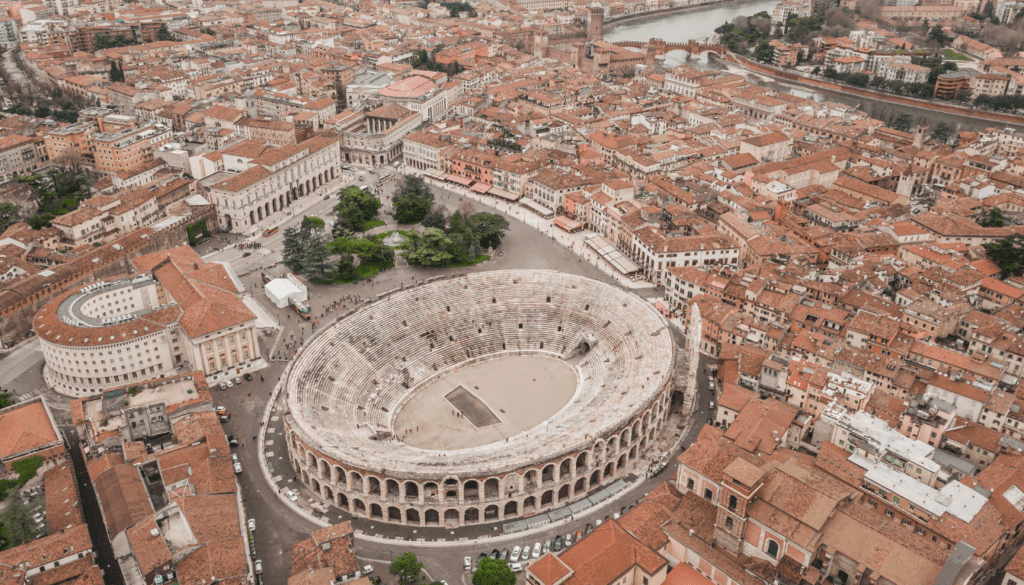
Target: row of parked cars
point(519, 556)
point(226, 384)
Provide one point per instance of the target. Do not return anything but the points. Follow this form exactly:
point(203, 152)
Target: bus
point(266, 277)
point(300, 308)
point(270, 231)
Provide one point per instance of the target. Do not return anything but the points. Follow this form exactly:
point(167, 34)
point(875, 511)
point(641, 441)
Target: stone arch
point(472, 515)
point(267, 206)
point(547, 498)
point(259, 213)
point(609, 470)
point(612, 446)
point(595, 478)
point(412, 516)
point(451, 488)
point(338, 474)
point(581, 461)
point(310, 459)
point(355, 482)
point(328, 493)
point(431, 517)
point(430, 490)
point(492, 489)
point(564, 493)
point(393, 491)
point(358, 507)
point(530, 478)
point(274, 204)
point(374, 487)
point(622, 460)
point(471, 491)
point(548, 474)
point(315, 485)
point(412, 489)
point(305, 476)
point(511, 509)
point(324, 468)
point(632, 452)
point(341, 500)
point(376, 511)
point(529, 505)
point(394, 514)
point(491, 512)
point(451, 517)
point(252, 217)
point(581, 486)
point(565, 468)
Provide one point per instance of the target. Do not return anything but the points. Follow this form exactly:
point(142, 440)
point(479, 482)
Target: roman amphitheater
point(478, 397)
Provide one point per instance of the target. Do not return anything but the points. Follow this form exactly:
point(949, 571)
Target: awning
point(612, 255)
point(459, 180)
point(481, 187)
point(537, 208)
point(567, 224)
point(507, 195)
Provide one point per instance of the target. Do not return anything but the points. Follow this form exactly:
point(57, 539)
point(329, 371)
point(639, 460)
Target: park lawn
point(952, 55)
point(372, 224)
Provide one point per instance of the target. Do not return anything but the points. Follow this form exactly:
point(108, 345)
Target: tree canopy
point(994, 219)
point(414, 201)
point(1008, 254)
point(407, 567)
point(9, 214)
point(494, 572)
point(356, 207)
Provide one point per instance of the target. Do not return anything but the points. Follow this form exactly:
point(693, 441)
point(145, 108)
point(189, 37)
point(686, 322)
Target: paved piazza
point(521, 391)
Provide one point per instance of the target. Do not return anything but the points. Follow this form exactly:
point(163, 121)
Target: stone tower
point(540, 44)
point(595, 24)
point(920, 133)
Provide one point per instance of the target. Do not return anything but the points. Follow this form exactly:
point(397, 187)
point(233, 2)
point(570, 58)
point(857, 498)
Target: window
point(708, 494)
point(888, 513)
point(689, 483)
point(728, 523)
point(773, 549)
point(732, 502)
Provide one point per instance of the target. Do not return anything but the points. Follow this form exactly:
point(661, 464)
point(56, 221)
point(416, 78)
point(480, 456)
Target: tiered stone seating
point(351, 378)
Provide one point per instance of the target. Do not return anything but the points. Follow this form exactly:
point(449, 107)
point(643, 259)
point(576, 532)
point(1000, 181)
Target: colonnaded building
point(176, 313)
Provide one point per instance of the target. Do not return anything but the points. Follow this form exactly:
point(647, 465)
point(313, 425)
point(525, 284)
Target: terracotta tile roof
point(608, 553)
point(310, 554)
point(25, 427)
point(549, 569)
point(15, 562)
point(63, 507)
point(122, 497)
point(710, 454)
point(150, 551)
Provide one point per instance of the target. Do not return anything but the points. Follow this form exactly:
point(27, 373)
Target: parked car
point(222, 386)
point(526, 553)
point(238, 467)
point(248, 376)
point(536, 550)
point(246, 254)
point(220, 410)
point(467, 563)
point(517, 567)
point(579, 535)
point(367, 569)
point(590, 528)
point(234, 457)
point(228, 383)
point(558, 544)
point(238, 381)
point(232, 440)
point(504, 554)
point(547, 547)
point(568, 540)
point(515, 554)
point(495, 554)
point(224, 419)
point(252, 525)
point(259, 567)
point(291, 496)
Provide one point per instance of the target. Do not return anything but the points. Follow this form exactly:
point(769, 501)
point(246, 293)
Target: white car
point(228, 383)
point(536, 550)
point(238, 468)
point(467, 563)
point(259, 566)
point(515, 554)
point(517, 567)
point(526, 553)
point(252, 525)
point(220, 409)
point(291, 496)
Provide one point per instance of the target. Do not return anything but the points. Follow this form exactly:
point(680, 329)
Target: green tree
point(356, 207)
point(310, 223)
point(414, 201)
point(407, 567)
point(494, 572)
point(433, 248)
point(936, 35)
point(16, 524)
point(903, 122)
point(435, 219)
point(6, 399)
point(368, 249)
point(9, 214)
point(830, 73)
point(1008, 254)
point(764, 51)
point(994, 219)
point(163, 34)
point(858, 79)
point(941, 132)
point(489, 228)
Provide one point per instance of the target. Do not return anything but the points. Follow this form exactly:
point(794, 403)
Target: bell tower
point(740, 483)
point(595, 24)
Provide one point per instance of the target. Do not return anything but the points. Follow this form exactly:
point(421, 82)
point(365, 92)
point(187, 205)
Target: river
point(701, 23)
